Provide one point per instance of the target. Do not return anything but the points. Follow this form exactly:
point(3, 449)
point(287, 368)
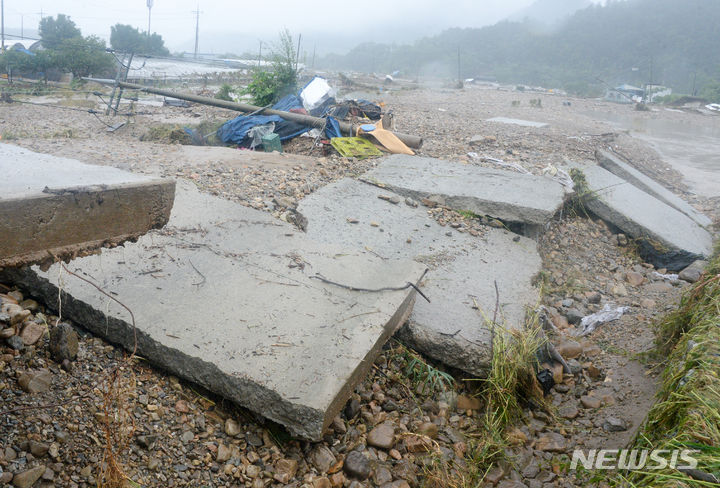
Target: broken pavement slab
point(225, 296)
point(506, 195)
point(520, 122)
point(67, 207)
point(620, 168)
point(642, 216)
point(463, 268)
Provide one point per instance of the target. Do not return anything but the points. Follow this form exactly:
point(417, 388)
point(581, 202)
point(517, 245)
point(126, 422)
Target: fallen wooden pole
point(319, 122)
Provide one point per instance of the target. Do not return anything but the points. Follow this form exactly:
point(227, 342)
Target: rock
point(223, 453)
point(26, 479)
point(322, 458)
point(382, 436)
point(594, 297)
point(63, 342)
point(357, 465)
point(574, 316)
point(338, 425)
point(495, 474)
point(38, 449)
point(30, 304)
point(146, 441)
point(16, 295)
point(352, 409)
point(658, 287)
point(32, 333)
point(381, 476)
point(634, 278)
point(531, 470)
point(253, 471)
point(551, 442)
point(337, 480)
point(35, 381)
point(396, 484)
point(285, 470)
point(428, 429)
point(614, 424)
point(15, 342)
point(468, 403)
point(187, 436)
point(568, 411)
point(590, 402)
point(321, 483)
point(416, 444)
point(692, 273)
point(647, 303)
point(511, 484)
point(5, 478)
point(19, 316)
point(232, 428)
point(570, 349)
point(7, 333)
point(619, 290)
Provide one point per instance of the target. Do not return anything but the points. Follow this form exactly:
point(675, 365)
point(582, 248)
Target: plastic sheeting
point(607, 314)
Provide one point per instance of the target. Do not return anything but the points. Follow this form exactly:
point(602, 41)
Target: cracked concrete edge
point(301, 421)
point(497, 210)
point(76, 222)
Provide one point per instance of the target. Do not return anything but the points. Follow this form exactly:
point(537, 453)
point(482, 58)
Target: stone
point(417, 444)
point(253, 471)
point(551, 442)
point(382, 436)
point(38, 449)
point(15, 342)
point(642, 216)
point(357, 465)
point(614, 424)
point(223, 453)
point(285, 470)
point(5, 478)
point(463, 270)
point(337, 480)
point(634, 278)
point(568, 411)
point(381, 475)
point(7, 333)
point(25, 479)
point(495, 474)
point(569, 349)
point(465, 402)
point(30, 304)
point(35, 381)
point(574, 316)
point(187, 436)
point(619, 290)
point(19, 316)
point(396, 484)
point(505, 195)
point(63, 205)
point(322, 482)
point(232, 428)
point(322, 458)
point(287, 311)
point(620, 168)
point(590, 402)
point(32, 333)
point(692, 273)
point(63, 342)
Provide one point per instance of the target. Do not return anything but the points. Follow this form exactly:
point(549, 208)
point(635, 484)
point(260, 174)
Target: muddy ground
point(185, 437)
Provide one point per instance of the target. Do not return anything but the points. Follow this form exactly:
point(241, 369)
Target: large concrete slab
point(641, 215)
point(620, 168)
point(463, 268)
point(520, 122)
point(505, 195)
point(67, 207)
point(224, 296)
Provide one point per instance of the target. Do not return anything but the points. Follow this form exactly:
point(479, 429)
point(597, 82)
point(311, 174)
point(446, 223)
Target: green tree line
point(634, 41)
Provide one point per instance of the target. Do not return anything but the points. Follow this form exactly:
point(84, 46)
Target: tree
point(129, 39)
point(268, 87)
point(53, 31)
point(83, 56)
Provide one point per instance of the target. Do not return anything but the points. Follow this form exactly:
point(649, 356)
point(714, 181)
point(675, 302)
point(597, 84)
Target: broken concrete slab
point(675, 237)
point(620, 168)
point(505, 195)
point(523, 123)
point(68, 207)
point(228, 297)
point(463, 268)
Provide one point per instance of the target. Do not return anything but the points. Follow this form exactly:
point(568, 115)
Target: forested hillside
point(671, 42)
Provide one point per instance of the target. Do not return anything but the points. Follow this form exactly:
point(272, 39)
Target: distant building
point(656, 91)
point(625, 94)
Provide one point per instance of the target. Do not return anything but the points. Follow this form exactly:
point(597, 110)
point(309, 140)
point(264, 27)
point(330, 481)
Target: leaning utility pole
point(197, 28)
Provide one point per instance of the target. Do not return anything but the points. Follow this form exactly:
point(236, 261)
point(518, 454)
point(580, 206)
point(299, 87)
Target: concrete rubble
point(620, 168)
point(463, 268)
point(84, 208)
point(643, 216)
point(227, 297)
point(511, 197)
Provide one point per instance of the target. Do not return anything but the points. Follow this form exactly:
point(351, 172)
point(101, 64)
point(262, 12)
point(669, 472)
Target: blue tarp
point(235, 131)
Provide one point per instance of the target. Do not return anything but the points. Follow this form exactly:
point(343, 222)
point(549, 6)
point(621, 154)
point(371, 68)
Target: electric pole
point(2, 25)
point(197, 28)
point(149, 6)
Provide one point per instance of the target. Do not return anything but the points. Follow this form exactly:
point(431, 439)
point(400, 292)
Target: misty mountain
point(634, 41)
point(549, 11)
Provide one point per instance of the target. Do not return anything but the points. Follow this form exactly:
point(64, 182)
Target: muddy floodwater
point(691, 147)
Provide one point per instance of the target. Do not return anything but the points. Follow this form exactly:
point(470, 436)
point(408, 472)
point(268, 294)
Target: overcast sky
point(234, 25)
